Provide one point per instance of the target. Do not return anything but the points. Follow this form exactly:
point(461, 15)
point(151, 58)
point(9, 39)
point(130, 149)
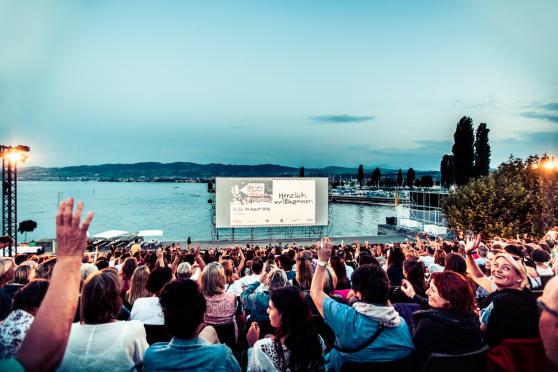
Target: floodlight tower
point(10, 155)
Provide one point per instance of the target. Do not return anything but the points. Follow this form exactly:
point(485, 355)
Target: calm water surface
point(180, 210)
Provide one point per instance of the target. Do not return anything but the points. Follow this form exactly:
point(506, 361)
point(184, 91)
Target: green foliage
point(399, 178)
point(482, 151)
point(301, 172)
point(463, 151)
point(426, 181)
point(360, 175)
point(375, 177)
point(508, 202)
point(410, 177)
point(447, 171)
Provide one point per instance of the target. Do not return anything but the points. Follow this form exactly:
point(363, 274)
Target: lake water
point(180, 210)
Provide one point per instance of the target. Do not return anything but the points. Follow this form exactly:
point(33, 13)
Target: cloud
point(541, 116)
point(489, 103)
point(341, 118)
point(553, 106)
point(547, 112)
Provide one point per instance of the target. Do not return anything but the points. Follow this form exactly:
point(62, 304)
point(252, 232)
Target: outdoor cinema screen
point(268, 202)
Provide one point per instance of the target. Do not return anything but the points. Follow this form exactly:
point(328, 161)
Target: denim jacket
point(189, 355)
point(256, 303)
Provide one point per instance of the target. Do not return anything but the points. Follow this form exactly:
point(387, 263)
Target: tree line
point(470, 158)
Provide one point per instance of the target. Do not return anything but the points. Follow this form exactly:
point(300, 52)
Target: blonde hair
point(213, 279)
point(6, 264)
point(138, 285)
point(518, 266)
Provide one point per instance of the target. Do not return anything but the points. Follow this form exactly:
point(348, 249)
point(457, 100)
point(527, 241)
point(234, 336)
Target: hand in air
point(70, 235)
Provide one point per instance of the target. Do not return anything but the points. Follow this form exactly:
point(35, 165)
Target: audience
point(341, 321)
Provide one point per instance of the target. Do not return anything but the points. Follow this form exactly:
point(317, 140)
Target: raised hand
point(471, 244)
point(324, 253)
point(253, 334)
point(407, 288)
point(71, 236)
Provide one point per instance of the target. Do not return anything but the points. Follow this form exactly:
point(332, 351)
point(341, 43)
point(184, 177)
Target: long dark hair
point(415, 274)
point(301, 338)
point(396, 258)
point(338, 265)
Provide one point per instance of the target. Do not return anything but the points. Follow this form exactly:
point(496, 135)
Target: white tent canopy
point(144, 233)
point(109, 234)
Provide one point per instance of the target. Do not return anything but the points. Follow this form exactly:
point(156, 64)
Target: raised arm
point(242, 262)
point(176, 261)
point(317, 287)
point(198, 258)
point(473, 268)
point(45, 343)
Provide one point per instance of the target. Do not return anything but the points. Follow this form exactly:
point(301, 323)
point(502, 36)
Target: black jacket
point(445, 331)
point(515, 315)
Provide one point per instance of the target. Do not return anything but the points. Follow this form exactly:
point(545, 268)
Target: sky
point(297, 83)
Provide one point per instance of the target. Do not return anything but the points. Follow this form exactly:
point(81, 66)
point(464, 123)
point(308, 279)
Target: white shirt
point(148, 311)
point(243, 283)
point(116, 346)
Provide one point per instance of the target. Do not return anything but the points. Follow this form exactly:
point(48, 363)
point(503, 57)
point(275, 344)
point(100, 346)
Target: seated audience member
point(451, 325)
point(184, 271)
point(184, 307)
point(240, 285)
point(541, 258)
point(100, 341)
point(86, 270)
point(147, 309)
point(25, 305)
point(343, 283)
point(7, 268)
point(439, 261)
point(258, 302)
point(413, 272)
point(220, 306)
point(367, 331)
point(507, 291)
point(395, 266)
point(295, 346)
point(45, 268)
point(548, 323)
point(128, 267)
point(303, 275)
point(138, 286)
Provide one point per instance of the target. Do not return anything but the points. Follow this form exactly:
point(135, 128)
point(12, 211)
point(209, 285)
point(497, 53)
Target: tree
point(375, 178)
point(301, 172)
point(410, 177)
point(426, 181)
point(482, 151)
point(399, 178)
point(447, 171)
point(505, 203)
point(463, 151)
point(26, 226)
point(360, 175)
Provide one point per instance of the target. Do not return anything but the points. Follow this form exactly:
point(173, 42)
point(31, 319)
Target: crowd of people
point(279, 307)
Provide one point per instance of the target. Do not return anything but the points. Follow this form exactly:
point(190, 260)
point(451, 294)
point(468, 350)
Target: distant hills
point(153, 171)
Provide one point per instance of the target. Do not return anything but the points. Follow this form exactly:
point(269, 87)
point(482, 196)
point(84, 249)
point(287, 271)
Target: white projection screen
point(270, 202)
